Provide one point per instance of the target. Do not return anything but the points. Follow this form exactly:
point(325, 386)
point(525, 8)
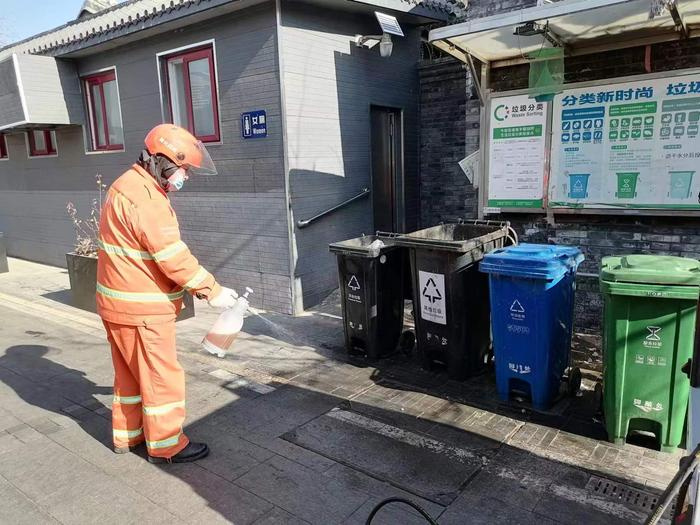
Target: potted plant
point(82, 261)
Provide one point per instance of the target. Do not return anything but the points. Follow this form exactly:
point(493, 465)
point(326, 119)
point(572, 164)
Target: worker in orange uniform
point(143, 271)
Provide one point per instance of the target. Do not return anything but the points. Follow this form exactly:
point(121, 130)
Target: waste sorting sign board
point(517, 144)
point(627, 145)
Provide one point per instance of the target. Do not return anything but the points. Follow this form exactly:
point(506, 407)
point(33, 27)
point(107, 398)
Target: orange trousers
point(149, 388)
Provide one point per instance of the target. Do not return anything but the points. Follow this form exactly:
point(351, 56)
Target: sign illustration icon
point(354, 284)
point(653, 333)
point(431, 292)
point(517, 308)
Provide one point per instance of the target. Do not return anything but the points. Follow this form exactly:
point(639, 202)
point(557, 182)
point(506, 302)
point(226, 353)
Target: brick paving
point(299, 432)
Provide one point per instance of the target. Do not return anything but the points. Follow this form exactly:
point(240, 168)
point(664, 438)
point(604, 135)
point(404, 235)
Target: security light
point(530, 29)
point(534, 29)
point(386, 46)
point(390, 26)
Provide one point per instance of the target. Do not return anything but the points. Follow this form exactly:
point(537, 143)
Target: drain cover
point(622, 493)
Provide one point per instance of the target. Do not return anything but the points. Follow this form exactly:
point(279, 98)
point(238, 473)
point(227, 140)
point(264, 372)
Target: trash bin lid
point(538, 261)
point(456, 237)
point(651, 269)
point(369, 246)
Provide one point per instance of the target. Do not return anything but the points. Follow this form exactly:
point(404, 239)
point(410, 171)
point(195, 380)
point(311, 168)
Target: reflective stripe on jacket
point(143, 267)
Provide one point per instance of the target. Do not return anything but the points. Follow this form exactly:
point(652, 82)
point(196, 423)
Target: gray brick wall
point(445, 139)
point(450, 112)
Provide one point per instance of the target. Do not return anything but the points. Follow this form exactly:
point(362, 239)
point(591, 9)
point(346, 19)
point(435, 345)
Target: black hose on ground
point(381, 504)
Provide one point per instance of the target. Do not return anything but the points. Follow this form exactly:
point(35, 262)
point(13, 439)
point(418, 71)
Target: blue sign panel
point(254, 124)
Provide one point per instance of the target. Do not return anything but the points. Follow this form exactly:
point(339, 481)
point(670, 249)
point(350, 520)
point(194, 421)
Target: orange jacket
point(143, 267)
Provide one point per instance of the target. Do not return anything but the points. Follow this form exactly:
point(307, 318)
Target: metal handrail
point(304, 223)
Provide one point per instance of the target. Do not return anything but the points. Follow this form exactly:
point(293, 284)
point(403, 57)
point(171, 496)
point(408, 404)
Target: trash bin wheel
point(573, 383)
point(598, 392)
point(407, 341)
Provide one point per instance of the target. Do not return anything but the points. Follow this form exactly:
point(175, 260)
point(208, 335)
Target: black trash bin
point(451, 297)
point(371, 277)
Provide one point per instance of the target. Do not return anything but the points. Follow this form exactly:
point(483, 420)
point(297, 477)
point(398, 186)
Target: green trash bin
point(649, 322)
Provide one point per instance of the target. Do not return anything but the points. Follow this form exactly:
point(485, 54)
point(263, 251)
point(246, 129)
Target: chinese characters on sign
point(648, 406)
point(631, 145)
point(516, 152)
point(602, 97)
point(254, 125)
point(519, 369)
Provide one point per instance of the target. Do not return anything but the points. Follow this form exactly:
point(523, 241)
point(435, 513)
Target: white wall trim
point(13, 125)
point(20, 87)
point(297, 296)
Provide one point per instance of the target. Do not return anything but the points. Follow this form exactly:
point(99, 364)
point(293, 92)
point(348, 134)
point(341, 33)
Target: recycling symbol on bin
point(578, 185)
point(431, 292)
point(354, 284)
point(517, 308)
point(653, 333)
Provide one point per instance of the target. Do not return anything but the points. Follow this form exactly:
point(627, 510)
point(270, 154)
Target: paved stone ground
point(299, 432)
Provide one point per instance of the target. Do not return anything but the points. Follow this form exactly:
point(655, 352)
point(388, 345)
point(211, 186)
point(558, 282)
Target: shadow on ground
point(295, 455)
point(402, 371)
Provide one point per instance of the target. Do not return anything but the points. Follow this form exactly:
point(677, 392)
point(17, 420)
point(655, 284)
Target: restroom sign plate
point(254, 124)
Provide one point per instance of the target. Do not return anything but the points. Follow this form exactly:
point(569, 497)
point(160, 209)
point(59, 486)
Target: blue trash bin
point(532, 304)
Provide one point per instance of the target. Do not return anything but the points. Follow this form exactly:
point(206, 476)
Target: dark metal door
point(387, 169)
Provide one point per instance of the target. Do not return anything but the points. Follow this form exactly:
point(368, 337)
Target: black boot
point(192, 452)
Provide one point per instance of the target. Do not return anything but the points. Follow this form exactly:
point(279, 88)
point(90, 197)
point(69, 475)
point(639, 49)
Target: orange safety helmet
point(181, 147)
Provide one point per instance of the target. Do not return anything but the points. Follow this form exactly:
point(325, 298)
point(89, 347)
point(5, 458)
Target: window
point(102, 99)
point(3, 146)
point(42, 142)
point(191, 92)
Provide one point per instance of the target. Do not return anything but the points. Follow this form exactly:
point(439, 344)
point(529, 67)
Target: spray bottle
point(226, 328)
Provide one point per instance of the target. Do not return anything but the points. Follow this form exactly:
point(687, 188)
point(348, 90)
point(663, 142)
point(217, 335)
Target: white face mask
point(176, 181)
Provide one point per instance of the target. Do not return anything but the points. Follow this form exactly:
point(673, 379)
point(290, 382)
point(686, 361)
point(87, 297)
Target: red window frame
point(188, 56)
point(3, 146)
point(99, 80)
point(48, 140)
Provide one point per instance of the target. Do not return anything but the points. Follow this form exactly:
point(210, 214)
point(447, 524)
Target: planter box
point(3, 255)
point(82, 272)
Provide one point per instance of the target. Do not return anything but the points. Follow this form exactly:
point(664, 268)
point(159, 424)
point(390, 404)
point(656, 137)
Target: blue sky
point(20, 19)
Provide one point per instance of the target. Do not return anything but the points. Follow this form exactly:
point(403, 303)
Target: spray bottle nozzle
point(248, 291)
